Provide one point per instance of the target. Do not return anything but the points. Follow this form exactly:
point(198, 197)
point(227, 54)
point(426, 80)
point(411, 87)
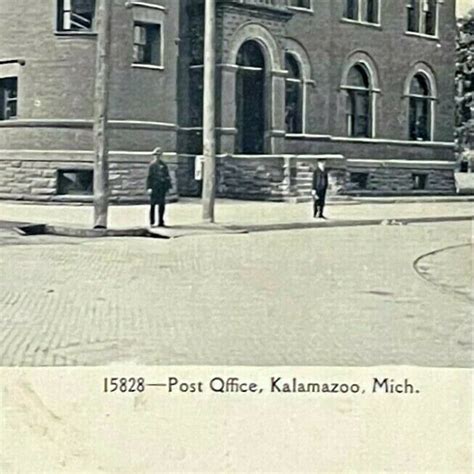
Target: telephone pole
point(209, 119)
point(101, 146)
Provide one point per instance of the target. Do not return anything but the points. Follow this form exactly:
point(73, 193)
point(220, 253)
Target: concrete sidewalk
point(185, 216)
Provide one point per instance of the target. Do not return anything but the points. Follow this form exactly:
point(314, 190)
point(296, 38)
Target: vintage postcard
point(236, 236)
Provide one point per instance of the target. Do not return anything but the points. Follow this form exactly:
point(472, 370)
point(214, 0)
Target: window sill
point(377, 26)
point(76, 34)
point(422, 35)
point(301, 9)
point(152, 67)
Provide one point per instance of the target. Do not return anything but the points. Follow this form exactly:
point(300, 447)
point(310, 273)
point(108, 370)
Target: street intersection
point(370, 295)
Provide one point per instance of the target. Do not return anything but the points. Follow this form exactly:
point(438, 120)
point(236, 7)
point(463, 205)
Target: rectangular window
point(306, 4)
point(8, 98)
point(360, 180)
point(351, 10)
point(419, 119)
point(413, 8)
point(422, 16)
point(419, 181)
point(429, 17)
point(147, 43)
point(366, 11)
point(372, 11)
point(75, 182)
point(76, 15)
point(358, 113)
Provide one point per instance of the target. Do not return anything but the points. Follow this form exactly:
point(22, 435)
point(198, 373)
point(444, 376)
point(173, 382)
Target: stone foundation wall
point(34, 178)
point(393, 181)
point(252, 178)
point(280, 178)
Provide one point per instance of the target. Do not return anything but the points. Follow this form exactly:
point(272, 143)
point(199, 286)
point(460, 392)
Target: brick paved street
point(343, 296)
point(188, 211)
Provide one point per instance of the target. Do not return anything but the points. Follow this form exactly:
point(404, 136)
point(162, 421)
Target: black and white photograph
point(237, 183)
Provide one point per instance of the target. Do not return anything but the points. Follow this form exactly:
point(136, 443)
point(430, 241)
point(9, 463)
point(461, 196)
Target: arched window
point(359, 102)
point(294, 95)
point(250, 55)
point(420, 105)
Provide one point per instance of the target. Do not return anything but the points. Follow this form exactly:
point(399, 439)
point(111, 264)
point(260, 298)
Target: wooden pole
point(101, 184)
point(209, 120)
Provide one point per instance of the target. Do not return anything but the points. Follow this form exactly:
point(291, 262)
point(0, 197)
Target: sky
point(463, 6)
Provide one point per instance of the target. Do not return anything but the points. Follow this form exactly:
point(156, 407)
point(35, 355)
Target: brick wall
point(56, 82)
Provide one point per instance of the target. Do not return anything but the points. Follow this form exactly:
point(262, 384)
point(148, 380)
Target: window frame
point(5, 100)
point(350, 93)
point(149, 65)
point(299, 82)
point(60, 174)
point(421, 19)
point(361, 6)
point(59, 28)
point(362, 184)
point(429, 99)
point(419, 178)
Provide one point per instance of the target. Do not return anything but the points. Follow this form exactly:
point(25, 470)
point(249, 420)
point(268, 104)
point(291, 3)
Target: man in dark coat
point(320, 186)
point(158, 184)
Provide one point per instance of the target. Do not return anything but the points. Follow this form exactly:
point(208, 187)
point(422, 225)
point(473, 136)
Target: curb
point(64, 231)
point(214, 229)
point(351, 223)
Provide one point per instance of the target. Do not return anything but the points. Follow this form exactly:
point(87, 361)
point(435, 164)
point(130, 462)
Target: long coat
point(320, 181)
point(158, 181)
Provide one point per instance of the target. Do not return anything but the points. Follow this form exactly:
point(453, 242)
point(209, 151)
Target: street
point(355, 296)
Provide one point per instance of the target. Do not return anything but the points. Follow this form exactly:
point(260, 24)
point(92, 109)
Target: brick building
point(367, 84)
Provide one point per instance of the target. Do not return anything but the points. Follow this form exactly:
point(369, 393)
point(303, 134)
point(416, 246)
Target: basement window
point(419, 181)
point(360, 180)
point(76, 15)
point(8, 98)
point(147, 44)
point(75, 182)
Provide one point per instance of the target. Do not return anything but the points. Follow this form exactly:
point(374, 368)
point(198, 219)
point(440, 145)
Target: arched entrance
point(250, 99)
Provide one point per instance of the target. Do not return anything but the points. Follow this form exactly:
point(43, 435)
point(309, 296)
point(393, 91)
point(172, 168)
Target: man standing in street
point(158, 184)
point(320, 186)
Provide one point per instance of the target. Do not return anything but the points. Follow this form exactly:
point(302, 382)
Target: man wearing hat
point(158, 184)
point(320, 186)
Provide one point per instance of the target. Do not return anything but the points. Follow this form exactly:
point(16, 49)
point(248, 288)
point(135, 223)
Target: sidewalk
point(238, 215)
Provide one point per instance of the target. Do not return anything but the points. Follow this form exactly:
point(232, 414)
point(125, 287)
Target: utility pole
point(209, 115)
point(101, 148)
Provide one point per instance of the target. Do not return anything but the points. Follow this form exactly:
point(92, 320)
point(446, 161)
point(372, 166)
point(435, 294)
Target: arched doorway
point(250, 99)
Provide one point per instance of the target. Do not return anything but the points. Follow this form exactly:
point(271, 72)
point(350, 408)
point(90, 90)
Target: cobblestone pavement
point(340, 296)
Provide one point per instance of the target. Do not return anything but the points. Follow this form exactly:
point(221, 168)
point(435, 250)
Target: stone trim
point(130, 4)
point(87, 123)
point(382, 141)
point(410, 164)
point(83, 156)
